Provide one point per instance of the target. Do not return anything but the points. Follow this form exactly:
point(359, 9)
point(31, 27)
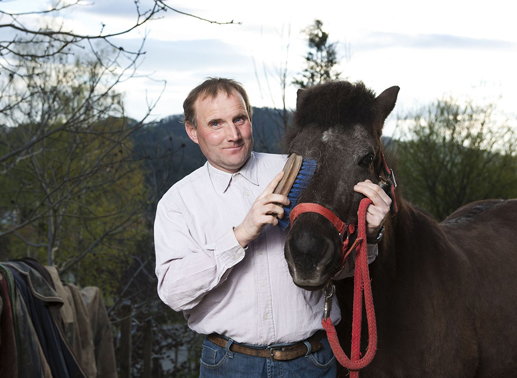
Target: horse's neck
point(408, 234)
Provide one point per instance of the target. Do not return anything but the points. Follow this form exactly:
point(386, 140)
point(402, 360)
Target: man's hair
point(211, 88)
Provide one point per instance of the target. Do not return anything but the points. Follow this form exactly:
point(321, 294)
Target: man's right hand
point(266, 209)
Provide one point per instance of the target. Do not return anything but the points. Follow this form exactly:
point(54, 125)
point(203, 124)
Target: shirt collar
point(222, 180)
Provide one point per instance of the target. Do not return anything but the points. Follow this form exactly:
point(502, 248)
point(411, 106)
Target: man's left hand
point(378, 210)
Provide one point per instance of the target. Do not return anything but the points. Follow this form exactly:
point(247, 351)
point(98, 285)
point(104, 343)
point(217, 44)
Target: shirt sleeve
point(349, 270)
point(187, 270)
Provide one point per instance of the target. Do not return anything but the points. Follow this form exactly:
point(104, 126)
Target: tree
point(453, 154)
point(62, 128)
point(76, 196)
point(73, 193)
point(320, 60)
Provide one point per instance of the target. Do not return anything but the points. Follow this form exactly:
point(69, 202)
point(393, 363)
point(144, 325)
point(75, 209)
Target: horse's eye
point(367, 160)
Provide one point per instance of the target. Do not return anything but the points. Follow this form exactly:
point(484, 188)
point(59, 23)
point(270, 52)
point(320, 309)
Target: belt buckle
point(272, 353)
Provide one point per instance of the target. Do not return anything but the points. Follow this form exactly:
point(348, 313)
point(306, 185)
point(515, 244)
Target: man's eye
point(239, 120)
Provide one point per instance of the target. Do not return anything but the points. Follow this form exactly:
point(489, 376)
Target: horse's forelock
point(335, 103)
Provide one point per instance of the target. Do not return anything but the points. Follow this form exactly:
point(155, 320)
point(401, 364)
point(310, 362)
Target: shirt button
point(266, 316)
point(246, 193)
point(260, 253)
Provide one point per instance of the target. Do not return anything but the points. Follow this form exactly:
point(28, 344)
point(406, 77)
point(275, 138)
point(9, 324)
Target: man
point(219, 256)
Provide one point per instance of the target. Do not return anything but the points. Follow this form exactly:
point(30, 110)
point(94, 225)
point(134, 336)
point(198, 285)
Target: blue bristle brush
point(297, 174)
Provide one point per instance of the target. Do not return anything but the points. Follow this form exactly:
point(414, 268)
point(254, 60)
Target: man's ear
point(191, 131)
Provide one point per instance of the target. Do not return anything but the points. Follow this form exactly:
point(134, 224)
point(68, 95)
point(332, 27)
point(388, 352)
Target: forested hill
point(170, 154)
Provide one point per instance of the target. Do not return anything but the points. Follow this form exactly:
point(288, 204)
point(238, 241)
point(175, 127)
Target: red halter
point(344, 231)
point(307, 207)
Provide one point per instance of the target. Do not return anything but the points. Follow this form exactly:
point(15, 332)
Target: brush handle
point(291, 170)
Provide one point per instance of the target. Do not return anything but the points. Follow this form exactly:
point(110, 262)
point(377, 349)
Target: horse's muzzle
point(312, 253)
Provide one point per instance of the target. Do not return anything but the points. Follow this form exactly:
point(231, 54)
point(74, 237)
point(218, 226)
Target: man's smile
point(233, 148)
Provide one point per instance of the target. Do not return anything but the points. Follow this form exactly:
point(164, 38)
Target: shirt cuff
point(373, 251)
point(228, 250)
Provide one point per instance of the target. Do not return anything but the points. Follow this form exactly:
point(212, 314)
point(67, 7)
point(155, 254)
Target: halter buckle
point(392, 178)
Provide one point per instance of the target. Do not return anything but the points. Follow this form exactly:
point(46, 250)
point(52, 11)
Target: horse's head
point(339, 125)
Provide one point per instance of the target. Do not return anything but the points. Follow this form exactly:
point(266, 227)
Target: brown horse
point(445, 294)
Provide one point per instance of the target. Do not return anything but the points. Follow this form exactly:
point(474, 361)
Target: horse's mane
point(331, 104)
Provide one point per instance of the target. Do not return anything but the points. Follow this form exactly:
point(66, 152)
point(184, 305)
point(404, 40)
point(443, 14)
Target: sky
point(430, 49)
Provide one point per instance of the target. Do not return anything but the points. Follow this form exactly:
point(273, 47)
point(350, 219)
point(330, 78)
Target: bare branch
point(56, 8)
point(194, 16)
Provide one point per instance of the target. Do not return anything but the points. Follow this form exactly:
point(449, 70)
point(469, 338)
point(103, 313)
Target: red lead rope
point(362, 286)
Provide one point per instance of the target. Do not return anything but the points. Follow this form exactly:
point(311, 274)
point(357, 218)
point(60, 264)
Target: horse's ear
point(299, 95)
point(386, 101)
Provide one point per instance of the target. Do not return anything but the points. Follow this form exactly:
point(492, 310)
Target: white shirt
point(247, 295)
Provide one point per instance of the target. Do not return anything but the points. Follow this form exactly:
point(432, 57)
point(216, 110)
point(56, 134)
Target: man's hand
point(378, 210)
point(266, 209)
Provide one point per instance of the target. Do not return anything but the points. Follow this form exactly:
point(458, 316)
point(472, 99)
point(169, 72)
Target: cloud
point(205, 55)
point(378, 40)
point(119, 8)
point(127, 9)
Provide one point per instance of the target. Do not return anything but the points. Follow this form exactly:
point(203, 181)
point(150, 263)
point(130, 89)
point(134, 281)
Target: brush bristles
point(302, 180)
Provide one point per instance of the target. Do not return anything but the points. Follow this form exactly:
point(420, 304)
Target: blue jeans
point(217, 361)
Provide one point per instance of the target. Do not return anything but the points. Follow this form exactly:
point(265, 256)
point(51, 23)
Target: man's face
point(224, 130)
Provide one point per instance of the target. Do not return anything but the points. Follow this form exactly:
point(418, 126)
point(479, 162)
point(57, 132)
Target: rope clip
point(329, 292)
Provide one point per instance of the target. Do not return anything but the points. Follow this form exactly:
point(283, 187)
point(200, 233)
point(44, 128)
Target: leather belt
point(285, 353)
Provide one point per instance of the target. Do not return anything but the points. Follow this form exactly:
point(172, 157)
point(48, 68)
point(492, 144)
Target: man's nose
point(233, 132)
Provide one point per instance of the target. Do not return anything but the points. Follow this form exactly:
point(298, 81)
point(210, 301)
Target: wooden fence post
point(157, 367)
point(125, 340)
point(148, 348)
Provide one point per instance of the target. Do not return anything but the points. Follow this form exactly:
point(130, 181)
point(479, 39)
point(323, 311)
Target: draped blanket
point(49, 328)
